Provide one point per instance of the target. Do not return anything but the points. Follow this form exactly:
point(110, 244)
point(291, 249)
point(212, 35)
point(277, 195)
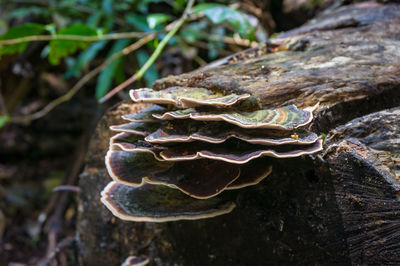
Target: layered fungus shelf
point(185, 146)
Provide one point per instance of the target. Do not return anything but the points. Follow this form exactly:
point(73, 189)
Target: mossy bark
point(340, 206)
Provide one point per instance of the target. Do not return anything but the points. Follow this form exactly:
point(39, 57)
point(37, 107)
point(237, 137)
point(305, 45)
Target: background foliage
point(100, 20)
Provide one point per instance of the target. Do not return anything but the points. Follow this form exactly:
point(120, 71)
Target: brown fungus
point(237, 152)
point(139, 147)
point(239, 156)
point(284, 118)
point(141, 128)
point(137, 168)
point(152, 203)
point(219, 132)
point(136, 261)
point(185, 97)
point(145, 115)
point(213, 178)
point(251, 174)
point(178, 114)
point(176, 169)
point(130, 168)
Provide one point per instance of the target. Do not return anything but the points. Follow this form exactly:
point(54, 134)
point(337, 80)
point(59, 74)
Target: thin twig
point(153, 57)
point(67, 188)
point(85, 79)
point(3, 107)
point(39, 38)
point(69, 240)
point(237, 40)
point(53, 226)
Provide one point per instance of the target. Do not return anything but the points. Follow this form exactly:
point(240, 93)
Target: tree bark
point(340, 206)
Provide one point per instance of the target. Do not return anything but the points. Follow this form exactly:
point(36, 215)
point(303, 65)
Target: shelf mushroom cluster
point(173, 158)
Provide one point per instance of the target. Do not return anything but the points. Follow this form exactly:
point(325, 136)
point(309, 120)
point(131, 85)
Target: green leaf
point(217, 13)
point(51, 28)
point(94, 20)
point(143, 5)
point(156, 19)
point(202, 7)
point(107, 75)
point(139, 22)
point(25, 30)
point(24, 11)
point(191, 33)
point(107, 6)
point(4, 119)
point(178, 5)
point(323, 137)
point(119, 74)
point(151, 75)
point(62, 48)
point(85, 57)
point(108, 9)
point(215, 46)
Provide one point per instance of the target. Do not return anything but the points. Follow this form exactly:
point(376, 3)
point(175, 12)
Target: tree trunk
point(340, 206)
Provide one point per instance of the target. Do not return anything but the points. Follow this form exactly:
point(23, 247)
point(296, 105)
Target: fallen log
point(340, 206)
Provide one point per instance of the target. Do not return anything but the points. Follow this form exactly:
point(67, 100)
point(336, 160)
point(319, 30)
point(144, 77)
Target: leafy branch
point(153, 57)
point(86, 78)
point(111, 36)
point(78, 36)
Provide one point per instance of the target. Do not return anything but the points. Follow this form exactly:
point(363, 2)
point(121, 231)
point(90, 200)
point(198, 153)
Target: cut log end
point(338, 207)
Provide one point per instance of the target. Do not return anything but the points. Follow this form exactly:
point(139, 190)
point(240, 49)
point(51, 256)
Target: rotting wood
point(338, 207)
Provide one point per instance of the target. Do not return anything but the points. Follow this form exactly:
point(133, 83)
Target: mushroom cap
point(142, 128)
point(125, 137)
point(238, 156)
point(219, 132)
point(227, 100)
point(284, 118)
point(152, 203)
point(178, 114)
point(237, 152)
point(199, 179)
point(145, 115)
point(130, 168)
point(135, 261)
point(130, 143)
point(185, 97)
point(136, 168)
point(251, 174)
point(159, 183)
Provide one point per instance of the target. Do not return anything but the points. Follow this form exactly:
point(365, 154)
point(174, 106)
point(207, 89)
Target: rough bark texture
point(341, 206)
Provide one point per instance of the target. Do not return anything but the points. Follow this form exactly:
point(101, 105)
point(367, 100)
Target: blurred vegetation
point(79, 34)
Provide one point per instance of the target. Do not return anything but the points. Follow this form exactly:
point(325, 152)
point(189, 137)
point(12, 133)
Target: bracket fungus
point(173, 160)
point(136, 261)
point(185, 97)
